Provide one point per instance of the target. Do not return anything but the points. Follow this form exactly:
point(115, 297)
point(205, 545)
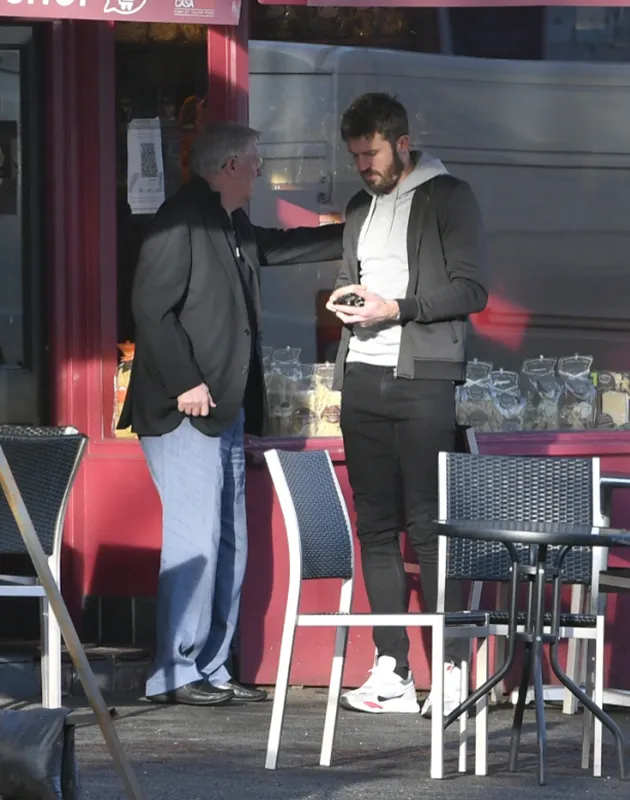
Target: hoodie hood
point(398, 200)
point(427, 167)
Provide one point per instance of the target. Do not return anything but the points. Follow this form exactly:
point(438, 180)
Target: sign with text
point(199, 12)
point(145, 166)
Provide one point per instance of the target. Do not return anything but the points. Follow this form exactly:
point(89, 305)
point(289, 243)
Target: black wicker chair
point(530, 489)
point(44, 463)
point(321, 546)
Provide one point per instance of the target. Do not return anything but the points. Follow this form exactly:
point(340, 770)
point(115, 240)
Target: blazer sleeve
point(464, 253)
point(160, 284)
point(299, 245)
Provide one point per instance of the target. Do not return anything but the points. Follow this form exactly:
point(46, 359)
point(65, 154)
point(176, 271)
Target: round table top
point(530, 533)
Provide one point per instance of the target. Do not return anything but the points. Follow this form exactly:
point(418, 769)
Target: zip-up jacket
point(445, 250)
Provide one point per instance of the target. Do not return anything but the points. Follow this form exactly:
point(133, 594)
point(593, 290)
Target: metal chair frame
point(12, 543)
point(597, 560)
point(344, 619)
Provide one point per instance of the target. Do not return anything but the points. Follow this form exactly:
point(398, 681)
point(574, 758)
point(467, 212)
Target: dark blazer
point(190, 312)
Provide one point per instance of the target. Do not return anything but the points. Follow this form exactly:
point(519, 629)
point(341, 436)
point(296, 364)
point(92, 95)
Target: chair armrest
point(615, 580)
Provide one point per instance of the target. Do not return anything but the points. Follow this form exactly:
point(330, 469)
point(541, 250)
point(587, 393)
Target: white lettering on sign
point(62, 3)
point(124, 7)
point(184, 3)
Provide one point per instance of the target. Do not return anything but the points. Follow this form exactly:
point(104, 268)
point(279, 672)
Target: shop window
point(305, 179)
point(587, 34)
point(161, 83)
point(22, 321)
point(553, 347)
point(552, 351)
point(511, 33)
point(394, 28)
point(161, 74)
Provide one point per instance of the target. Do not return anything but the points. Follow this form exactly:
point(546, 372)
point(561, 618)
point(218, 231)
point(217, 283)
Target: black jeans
point(393, 430)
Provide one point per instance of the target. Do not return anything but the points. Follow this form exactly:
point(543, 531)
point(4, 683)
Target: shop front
point(60, 123)
point(550, 358)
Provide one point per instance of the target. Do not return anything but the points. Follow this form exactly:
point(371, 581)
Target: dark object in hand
point(350, 299)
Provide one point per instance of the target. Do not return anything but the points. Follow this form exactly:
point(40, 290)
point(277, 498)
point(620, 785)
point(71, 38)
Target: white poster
point(145, 166)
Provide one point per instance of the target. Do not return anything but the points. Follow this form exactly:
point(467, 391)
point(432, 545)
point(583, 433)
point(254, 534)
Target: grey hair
point(217, 143)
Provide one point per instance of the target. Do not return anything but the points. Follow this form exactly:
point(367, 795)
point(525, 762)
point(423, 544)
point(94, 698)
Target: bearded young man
point(413, 247)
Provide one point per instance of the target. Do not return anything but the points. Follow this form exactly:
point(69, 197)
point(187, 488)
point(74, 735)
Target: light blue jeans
point(201, 482)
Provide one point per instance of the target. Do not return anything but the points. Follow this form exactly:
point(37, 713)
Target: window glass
point(161, 73)
point(22, 319)
point(12, 322)
point(543, 148)
point(161, 86)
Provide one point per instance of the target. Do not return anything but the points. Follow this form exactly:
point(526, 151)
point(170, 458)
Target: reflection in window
point(395, 28)
point(161, 71)
point(12, 302)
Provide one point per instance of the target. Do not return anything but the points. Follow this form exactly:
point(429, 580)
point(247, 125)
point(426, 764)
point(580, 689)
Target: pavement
point(184, 753)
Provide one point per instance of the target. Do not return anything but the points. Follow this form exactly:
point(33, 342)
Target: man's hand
point(375, 310)
point(196, 402)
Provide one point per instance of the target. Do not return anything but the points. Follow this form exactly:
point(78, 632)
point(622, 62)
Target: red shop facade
point(72, 61)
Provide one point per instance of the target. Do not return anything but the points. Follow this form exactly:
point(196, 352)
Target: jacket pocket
point(439, 341)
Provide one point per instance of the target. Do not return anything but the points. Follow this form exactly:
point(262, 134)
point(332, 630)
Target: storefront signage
point(209, 12)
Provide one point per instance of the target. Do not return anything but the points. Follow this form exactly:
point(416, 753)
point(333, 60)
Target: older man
point(196, 384)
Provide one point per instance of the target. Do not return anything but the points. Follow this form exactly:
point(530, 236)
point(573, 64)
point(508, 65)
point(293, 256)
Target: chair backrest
point(315, 514)
point(44, 463)
point(519, 489)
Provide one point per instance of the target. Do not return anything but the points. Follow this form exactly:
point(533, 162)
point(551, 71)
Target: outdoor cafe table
point(528, 547)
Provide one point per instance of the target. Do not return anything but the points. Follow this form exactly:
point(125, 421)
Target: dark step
point(117, 669)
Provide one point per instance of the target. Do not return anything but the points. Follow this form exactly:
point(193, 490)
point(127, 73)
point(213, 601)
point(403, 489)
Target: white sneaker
point(383, 692)
point(452, 691)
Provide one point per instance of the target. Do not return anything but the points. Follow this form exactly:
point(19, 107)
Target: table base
point(534, 639)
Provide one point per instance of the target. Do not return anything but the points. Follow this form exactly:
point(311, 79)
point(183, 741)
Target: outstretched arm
point(299, 245)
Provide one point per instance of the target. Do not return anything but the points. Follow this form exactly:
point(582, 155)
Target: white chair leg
point(481, 715)
point(280, 693)
point(570, 703)
point(589, 688)
point(437, 710)
point(598, 697)
point(501, 604)
point(332, 709)
point(51, 656)
point(463, 720)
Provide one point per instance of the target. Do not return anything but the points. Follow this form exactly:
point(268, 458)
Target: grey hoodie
point(382, 253)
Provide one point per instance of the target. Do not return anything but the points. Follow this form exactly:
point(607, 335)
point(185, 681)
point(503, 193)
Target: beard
point(384, 182)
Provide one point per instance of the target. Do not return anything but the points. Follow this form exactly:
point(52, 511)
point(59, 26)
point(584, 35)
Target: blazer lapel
point(218, 230)
point(217, 225)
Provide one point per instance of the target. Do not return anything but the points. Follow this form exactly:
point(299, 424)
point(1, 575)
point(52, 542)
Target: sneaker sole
point(427, 713)
point(367, 706)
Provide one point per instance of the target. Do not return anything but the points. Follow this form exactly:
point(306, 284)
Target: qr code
point(148, 160)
